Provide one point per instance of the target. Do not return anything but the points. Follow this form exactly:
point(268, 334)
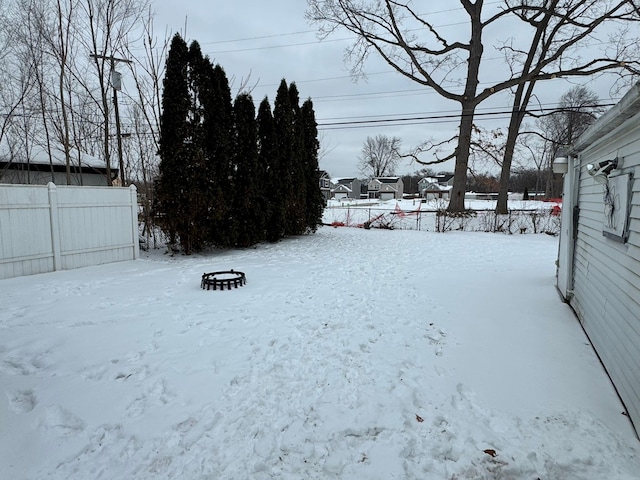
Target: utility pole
point(116, 83)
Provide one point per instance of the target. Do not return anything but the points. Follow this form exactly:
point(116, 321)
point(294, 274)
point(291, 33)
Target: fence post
point(55, 228)
point(134, 221)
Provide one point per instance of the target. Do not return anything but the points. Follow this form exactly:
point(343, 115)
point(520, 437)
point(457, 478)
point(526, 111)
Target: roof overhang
point(626, 108)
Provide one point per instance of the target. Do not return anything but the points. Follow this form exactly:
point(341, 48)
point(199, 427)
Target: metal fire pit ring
point(220, 280)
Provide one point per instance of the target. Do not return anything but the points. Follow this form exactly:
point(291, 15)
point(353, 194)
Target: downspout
point(575, 220)
point(568, 230)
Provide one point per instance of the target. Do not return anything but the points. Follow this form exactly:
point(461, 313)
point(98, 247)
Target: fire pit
point(220, 280)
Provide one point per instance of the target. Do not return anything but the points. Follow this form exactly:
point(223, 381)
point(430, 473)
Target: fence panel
point(47, 228)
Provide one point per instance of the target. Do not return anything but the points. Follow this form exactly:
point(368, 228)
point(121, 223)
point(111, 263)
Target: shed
point(40, 169)
point(598, 271)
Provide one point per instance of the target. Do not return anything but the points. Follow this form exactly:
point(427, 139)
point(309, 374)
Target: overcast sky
point(269, 41)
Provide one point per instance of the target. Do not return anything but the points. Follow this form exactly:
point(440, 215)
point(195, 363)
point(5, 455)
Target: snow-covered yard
point(351, 354)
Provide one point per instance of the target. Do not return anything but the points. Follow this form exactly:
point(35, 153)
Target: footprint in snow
point(22, 401)
point(436, 337)
point(17, 366)
point(61, 420)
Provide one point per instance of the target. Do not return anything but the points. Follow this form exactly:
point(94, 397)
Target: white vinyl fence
point(48, 228)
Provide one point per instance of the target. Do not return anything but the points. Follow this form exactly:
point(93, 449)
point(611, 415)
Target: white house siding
point(604, 281)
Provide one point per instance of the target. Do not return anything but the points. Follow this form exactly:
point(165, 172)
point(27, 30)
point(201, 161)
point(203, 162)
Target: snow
point(350, 353)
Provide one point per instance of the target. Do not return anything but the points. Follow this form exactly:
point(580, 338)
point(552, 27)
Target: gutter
point(626, 108)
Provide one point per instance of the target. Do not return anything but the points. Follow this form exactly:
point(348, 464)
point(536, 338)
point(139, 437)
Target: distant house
point(324, 181)
point(39, 169)
point(431, 188)
point(386, 188)
point(598, 267)
point(444, 179)
point(346, 188)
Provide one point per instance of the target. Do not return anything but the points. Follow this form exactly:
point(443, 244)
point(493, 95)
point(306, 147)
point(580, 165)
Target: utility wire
point(417, 120)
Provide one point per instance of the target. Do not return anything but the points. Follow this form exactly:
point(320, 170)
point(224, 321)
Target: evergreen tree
point(296, 204)
point(281, 171)
point(200, 169)
point(219, 146)
point(314, 200)
point(228, 177)
point(268, 159)
point(247, 208)
point(171, 189)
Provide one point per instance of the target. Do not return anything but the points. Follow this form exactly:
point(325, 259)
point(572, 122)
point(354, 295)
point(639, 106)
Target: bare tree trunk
point(64, 45)
point(468, 103)
point(517, 115)
point(456, 202)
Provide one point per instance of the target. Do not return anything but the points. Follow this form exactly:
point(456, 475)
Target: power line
point(430, 118)
point(304, 32)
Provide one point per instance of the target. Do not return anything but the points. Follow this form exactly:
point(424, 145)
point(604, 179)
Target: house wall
point(388, 191)
point(44, 177)
point(47, 228)
point(605, 276)
point(356, 186)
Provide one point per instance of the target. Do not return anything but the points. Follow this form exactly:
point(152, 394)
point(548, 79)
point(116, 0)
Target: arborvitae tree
point(281, 171)
point(172, 198)
point(314, 199)
point(221, 166)
point(247, 212)
point(218, 131)
point(296, 205)
point(270, 163)
point(196, 147)
point(198, 166)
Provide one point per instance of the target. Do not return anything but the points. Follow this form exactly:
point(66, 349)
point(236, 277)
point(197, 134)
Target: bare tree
point(65, 12)
point(414, 47)
point(380, 157)
point(487, 148)
point(558, 29)
point(578, 109)
point(31, 41)
point(14, 74)
point(109, 25)
point(420, 50)
point(147, 72)
point(538, 150)
point(56, 96)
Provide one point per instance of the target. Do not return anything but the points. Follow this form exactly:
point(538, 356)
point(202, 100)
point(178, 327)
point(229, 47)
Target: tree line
point(228, 176)
point(522, 180)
